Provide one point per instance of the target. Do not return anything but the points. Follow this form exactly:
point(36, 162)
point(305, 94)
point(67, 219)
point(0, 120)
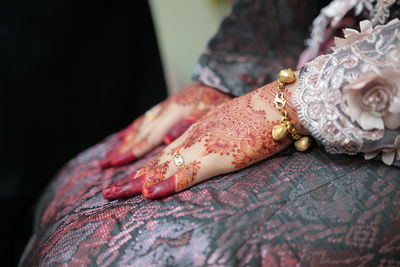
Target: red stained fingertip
point(123, 159)
point(160, 190)
point(121, 134)
point(104, 163)
point(177, 130)
point(125, 190)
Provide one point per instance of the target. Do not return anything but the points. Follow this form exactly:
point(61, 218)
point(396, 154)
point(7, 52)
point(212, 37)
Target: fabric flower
point(373, 100)
point(351, 35)
point(389, 154)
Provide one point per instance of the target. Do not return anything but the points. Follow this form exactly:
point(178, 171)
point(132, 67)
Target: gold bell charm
point(303, 143)
point(286, 76)
point(279, 132)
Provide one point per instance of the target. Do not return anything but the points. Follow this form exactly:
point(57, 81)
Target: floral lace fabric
point(319, 97)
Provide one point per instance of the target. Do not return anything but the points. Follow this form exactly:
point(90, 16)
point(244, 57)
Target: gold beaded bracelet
point(280, 131)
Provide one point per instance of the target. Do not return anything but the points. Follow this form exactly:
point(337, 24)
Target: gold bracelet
point(280, 131)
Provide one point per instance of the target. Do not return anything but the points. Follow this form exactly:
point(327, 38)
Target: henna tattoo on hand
point(240, 129)
point(154, 171)
point(186, 176)
point(197, 93)
point(199, 98)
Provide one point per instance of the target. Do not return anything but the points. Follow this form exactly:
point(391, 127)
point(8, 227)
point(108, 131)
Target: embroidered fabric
point(333, 15)
point(254, 42)
point(319, 96)
point(294, 209)
point(381, 11)
point(330, 16)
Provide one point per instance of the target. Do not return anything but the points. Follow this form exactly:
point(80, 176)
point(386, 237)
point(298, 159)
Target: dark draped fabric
point(255, 41)
point(71, 72)
point(294, 209)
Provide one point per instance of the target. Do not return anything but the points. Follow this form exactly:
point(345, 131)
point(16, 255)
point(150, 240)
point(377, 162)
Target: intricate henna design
point(238, 129)
point(154, 171)
point(187, 96)
point(180, 127)
point(177, 130)
point(210, 97)
point(197, 93)
point(184, 178)
point(200, 99)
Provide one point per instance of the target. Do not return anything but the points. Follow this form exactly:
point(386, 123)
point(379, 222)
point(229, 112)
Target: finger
point(177, 130)
point(183, 178)
point(130, 128)
point(134, 153)
point(115, 158)
point(181, 127)
point(124, 190)
point(193, 173)
point(106, 162)
point(123, 159)
point(154, 137)
point(120, 154)
point(121, 134)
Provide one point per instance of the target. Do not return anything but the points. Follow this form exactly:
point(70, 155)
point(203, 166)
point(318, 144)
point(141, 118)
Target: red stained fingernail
point(177, 130)
point(104, 163)
point(123, 159)
point(106, 192)
point(124, 190)
point(160, 190)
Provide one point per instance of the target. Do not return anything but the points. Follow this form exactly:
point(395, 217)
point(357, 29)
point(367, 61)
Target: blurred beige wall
point(183, 28)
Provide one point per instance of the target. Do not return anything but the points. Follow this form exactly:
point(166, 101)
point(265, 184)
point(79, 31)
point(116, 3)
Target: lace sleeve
point(254, 42)
point(350, 100)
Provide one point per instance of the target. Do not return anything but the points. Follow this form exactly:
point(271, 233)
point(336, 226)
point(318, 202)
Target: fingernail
point(123, 159)
point(160, 190)
point(104, 163)
point(124, 190)
point(106, 192)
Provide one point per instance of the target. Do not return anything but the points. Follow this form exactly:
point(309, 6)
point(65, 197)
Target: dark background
point(71, 73)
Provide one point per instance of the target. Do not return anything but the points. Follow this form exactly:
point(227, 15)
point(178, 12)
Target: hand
point(164, 122)
point(230, 137)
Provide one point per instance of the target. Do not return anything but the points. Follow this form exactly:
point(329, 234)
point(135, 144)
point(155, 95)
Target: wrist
point(291, 89)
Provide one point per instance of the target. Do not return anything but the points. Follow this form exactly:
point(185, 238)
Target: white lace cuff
point(350, 100)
